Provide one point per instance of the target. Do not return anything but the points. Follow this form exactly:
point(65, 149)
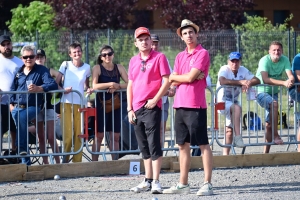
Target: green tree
point(25, 21)
point(255, 37)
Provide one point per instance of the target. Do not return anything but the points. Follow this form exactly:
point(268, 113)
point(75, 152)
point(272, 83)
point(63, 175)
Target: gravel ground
point(272, 182)
point(279, 182)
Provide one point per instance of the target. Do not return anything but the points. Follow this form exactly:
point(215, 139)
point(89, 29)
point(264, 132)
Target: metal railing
point(127, 142)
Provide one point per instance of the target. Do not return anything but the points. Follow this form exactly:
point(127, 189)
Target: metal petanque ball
point(56, 177)
point(62, 198)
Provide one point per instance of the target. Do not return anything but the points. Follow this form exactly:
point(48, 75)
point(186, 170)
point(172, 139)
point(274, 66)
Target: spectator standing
point(76, 77)
point(233, 74)
point(294, 91)
point(165, 100)
point(270, 70)
point(190, 69)
point(47, 115)
point(106, 76)
point(25, 107)
point(147, 70)
point(9, 65)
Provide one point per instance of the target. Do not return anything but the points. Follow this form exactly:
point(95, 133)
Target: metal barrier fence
point(125, 142)
point(254, 134)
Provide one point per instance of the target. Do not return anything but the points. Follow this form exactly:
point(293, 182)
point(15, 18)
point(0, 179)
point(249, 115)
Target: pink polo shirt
point(191, 95)
point(145, 85)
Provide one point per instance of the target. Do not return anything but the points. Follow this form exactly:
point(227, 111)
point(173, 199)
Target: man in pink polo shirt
point(146, 72)
point(190, 69)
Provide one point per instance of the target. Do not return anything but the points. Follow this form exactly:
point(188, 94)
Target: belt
point(20, 105)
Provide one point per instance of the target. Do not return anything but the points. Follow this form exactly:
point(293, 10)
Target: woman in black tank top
point(106, 76)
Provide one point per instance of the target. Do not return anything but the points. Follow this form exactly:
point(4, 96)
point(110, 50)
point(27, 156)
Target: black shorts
point(147, 131)
point(191, 126)
point(7, 121)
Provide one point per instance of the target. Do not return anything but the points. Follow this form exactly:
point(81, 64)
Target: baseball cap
point(140, 31)
point(4, 37)
point(235, 55)
point(40, 52)
point(185, 23)
point(154, 37)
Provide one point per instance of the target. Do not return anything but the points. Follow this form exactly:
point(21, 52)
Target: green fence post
point(238, 41)
point(87, 48)
point(37, 39)
point(289, 44)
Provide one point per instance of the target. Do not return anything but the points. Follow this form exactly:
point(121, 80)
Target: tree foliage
point(257, 34)
point(92, 14)
point(208, 14)
point(25, 21)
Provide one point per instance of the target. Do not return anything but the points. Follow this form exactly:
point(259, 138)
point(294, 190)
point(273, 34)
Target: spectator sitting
point(47, 115)
point(270, 70)
point(25, 107)
point(233, 74)
point(294, 91)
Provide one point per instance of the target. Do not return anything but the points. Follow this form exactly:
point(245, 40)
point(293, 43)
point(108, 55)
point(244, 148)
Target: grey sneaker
point(143, 186)
point(155, 187)
point(238, 141)
point(205, 190)
point(23, 153)
point(178, 189)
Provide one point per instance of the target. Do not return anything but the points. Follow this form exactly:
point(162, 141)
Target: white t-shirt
point(208, 81)
point(8, 70)
point(75, 77)
point(232, 93)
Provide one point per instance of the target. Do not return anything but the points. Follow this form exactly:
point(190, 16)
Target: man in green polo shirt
point(270, 71)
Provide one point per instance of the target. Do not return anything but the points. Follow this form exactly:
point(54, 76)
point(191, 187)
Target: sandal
point(278, 140)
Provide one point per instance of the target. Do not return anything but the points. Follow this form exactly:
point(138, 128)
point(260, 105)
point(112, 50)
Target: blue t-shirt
point(295, 66)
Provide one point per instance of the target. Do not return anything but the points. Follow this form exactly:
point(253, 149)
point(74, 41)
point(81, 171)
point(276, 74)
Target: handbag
point(108, 103)
point(56, 97)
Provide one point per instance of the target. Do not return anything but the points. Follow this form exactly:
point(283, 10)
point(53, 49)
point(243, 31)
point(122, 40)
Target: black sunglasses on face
point(30, 57)
point(107, 54)
point(143, 67)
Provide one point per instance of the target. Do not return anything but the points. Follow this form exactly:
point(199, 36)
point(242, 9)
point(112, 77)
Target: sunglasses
point(143, 67)
point(107, 54)
point(30, 57)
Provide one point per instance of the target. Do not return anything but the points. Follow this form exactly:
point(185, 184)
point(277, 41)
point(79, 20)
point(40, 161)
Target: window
point(280, 16)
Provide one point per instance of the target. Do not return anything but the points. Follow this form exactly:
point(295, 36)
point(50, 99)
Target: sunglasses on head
point(107, 54)
point(143, 67)
point(30, 57)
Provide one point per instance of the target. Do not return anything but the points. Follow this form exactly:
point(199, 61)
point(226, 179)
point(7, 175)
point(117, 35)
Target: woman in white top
point(76, 77)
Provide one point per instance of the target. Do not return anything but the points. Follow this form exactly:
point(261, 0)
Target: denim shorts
point(265, 100)
point(294, 95)
point(46, 115)
point(165, 111)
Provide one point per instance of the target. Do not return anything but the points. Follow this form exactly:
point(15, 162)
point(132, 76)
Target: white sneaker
point(143, 186)
point(238, 141)
point(178, 189)
point(205, 190)
point(155, 187)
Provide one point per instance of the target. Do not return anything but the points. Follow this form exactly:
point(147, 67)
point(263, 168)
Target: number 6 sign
point(134, 168)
